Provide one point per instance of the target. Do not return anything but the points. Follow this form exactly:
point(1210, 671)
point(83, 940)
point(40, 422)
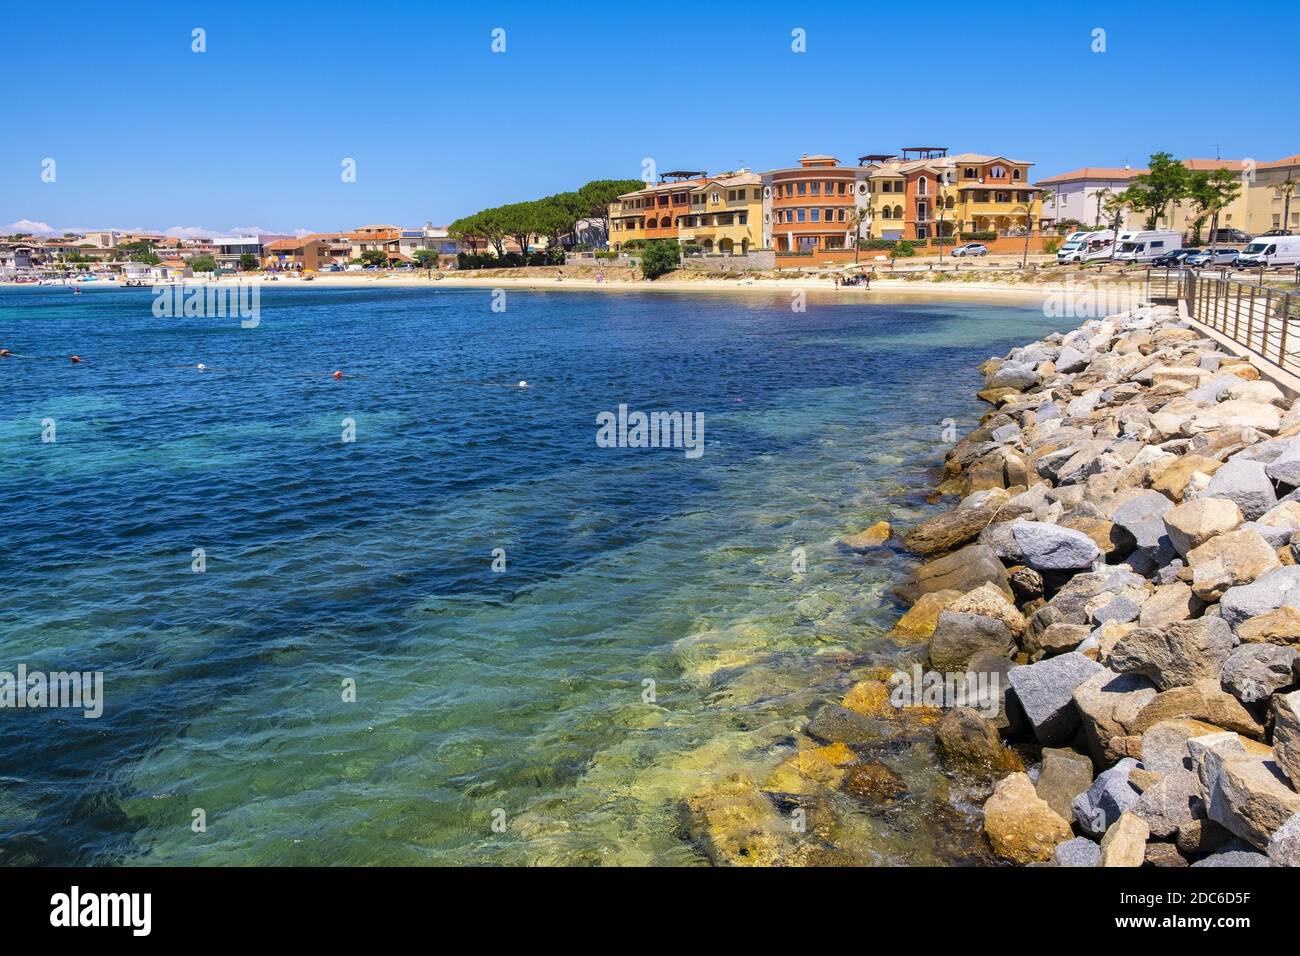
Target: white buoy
point(201, 367)
point(523, 384)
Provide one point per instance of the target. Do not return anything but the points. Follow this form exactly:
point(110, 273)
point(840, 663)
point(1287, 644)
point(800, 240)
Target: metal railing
point(1264, 319)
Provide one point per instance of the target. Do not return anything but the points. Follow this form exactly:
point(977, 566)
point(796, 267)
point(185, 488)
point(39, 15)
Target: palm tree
point(1287, 189)
point(1115, 206)
point(1103, 194)
point(1027, 208)
point(857, 219)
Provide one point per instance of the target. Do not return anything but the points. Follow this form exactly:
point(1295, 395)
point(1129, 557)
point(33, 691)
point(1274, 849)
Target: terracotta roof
point(1092, 172)
point(283, 244)
point(1279, 163)
point(1210, 165)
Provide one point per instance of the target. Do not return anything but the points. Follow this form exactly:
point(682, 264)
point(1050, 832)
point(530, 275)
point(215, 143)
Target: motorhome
point(1146, 244)
point(1275, 251)
point(1082, 246)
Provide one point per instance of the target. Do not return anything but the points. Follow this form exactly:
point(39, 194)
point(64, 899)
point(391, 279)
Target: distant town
point(817, 209)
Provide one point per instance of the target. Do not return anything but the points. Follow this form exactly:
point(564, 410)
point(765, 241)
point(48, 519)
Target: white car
point(971, 249)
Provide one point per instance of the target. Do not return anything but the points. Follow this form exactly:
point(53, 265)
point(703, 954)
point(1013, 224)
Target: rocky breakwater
point(1109, 618)
point(1132, 499)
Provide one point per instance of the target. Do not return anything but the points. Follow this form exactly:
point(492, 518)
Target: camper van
point(1146, 244)
point(1082, 246)
point(1275, 251)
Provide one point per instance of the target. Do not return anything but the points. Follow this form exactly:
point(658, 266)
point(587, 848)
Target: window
point(816, 188)
point(717, 196)
point(1015, 174)
point(885, 213)
point(744, 218)
point(816, 214)
point(922, 186)
point(803, 189)
point(997, 172)
point(969, 173)
point(840, 217)
point(800, 215)
point(843, 186)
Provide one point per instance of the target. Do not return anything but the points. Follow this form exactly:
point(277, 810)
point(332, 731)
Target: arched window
point(922, 186)
point(998, 172)
point(652, 223)
point(885, 213)
point(1015, 174)
point(898, 212)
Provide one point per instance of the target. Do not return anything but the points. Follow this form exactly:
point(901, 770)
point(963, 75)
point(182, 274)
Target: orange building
point(813, 207)
point(654, 212)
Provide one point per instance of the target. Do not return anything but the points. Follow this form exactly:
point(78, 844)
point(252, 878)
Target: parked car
point(1212, 257)
point(971, 249)
point(1172, 260)
point(1229, 235)
point(1274, 232)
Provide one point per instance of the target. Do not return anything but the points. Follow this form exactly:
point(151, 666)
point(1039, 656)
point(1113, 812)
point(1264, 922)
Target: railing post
point(1286, 322)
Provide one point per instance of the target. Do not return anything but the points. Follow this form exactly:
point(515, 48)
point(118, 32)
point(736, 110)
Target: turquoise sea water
point(476, 691)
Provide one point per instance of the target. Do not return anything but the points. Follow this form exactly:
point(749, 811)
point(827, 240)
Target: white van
point(1273, 251)
point(1082, 246)
point(1146, 244)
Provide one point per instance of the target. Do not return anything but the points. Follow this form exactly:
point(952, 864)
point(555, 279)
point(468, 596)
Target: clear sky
point(146, 133)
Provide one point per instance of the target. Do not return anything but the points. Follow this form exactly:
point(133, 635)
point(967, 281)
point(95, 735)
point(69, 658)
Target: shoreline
point(821, 286)
point(1103, 631)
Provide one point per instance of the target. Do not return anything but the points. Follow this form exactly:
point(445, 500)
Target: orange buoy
point(338, 375)
point(75, 359)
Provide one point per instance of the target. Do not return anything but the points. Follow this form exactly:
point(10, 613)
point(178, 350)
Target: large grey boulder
point(1245, 482)
point(1110, 706)
point(961, 571)
point(1253, 672)
point(1252, 797)
point(1171, 802)
point(1108, 797)
point(1278, 588)
point(1045, 691)
point(1142, 515)
point(1235, 853)
point(1177, 654)
point(959, 636)
point(1286, 466)
point(1049, 547)
point(1071, 360)
point(1009, 375)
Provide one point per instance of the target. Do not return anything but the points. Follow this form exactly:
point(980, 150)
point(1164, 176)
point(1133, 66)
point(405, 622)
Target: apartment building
point(653, 212)
point(1272, 202)
point(726, 214)
point(923, 193)
point(1080, 194)
point(813, 207)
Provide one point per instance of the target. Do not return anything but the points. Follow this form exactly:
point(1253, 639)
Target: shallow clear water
point(476, 691)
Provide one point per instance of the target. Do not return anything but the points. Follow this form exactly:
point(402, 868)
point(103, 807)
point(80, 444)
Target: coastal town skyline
point(277, 163)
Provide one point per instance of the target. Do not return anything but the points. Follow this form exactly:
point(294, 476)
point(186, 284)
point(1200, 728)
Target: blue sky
point(146, 133)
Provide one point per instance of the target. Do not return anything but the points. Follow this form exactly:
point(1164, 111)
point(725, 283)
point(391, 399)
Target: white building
point(1078, 193)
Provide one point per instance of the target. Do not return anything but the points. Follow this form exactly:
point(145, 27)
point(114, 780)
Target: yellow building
point(726, 214)
point(925, 193)
point(1272, 201)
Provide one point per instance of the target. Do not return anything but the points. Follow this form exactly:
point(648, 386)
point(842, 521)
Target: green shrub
point(986, 235)
point(904, 248)
point(661, 256)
